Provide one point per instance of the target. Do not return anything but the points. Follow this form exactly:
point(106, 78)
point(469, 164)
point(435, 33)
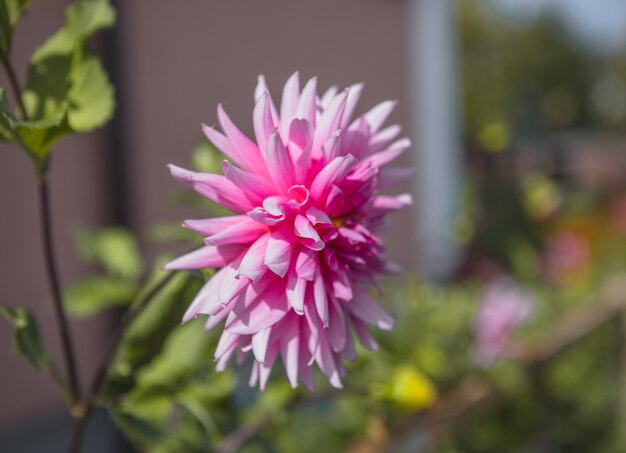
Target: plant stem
point(53, 278)
point(83, 409)
point(15, 87)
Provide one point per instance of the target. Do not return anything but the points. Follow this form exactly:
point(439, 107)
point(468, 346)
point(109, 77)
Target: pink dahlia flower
point(302, 246)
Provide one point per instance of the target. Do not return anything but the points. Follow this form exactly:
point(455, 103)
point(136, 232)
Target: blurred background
point(511, 316)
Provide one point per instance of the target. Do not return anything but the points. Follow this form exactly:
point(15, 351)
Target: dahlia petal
point(365, 308)
point(308, 235)
point(214, 187)
point(336, 331)
point(254, 374)
point(296, 290)
point(306, 264)
point(354, 95)
point(253, 263)
point(336, 201)
point(364, 335)
point(300, 143)
point(383, 138)
point(314, 327)
point(321, 298)
point(266, 311)
point(289, 102)
point(388, 177)
point(250, 157)
point(378, 115)
point(207, 301)
point(223, 144)
point(356, 138)
point(289, 350)
point(392, 203)
point(332, 147)
point(305, 371)
point(212, 225)
point(326, 361)
point(341, 284)
point(307, 104)
point(299, 196)
point(243, 232)
point(349, 351)
point(263, 121)
point(318, 217)
point(328, 96)
point(226, 342)
point(260, 342)
point(261, 215)
point(255, 187)
point(279, 250)
point(206, 257)
point(389, 154)
point(329, 122)
point(279, 162)
point(261, 88)
point(265, 368)
point(333, 172)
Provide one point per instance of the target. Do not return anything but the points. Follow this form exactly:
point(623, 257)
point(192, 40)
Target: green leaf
point(90, 297)
point(87, 17)
point(26, 340)
point(67, 89)
point(90, 97)
point(115, 249)
point(10, 12)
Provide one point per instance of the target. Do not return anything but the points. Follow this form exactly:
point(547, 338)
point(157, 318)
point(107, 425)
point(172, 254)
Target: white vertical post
point(435, 127)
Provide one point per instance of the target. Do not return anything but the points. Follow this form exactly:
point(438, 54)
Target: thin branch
point(53, 278)
point(83, 409)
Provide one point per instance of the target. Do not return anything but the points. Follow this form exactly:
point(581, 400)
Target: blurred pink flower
point(302, 243)
point(504, 308)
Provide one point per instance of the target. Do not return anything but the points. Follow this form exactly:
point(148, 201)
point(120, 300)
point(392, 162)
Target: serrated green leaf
point(90, 96)
point(26, 339)
point(115, 249)
point(90, 297)
point(10, 12)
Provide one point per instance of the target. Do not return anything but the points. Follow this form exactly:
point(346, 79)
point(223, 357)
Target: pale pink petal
point(253, 263)
point(263, 122)
point(261, 87)
point(256, 188)
point(243, 232)
point(289, 102)
point(318, 217)
point(321, 298)
point(289, 350)
point(333, 172)
point(300, 143)
point(383, 138)
point(329, 122)
point(365, 308)
point(212, 225)
point(354, 95)
point(206, 257)
point(307, 233)
point(249, 154)
point(260, 341)
point(378, 115)
point(306, 264)
point(279, 250)
point(307, 104)
point(391, 176)
point(296, 290)
point(279, 163)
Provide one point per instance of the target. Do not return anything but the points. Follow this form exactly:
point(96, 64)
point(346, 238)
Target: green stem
point(15, 87)
point(53, 278)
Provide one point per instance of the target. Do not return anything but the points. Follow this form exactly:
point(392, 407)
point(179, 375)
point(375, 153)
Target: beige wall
point(177, 61)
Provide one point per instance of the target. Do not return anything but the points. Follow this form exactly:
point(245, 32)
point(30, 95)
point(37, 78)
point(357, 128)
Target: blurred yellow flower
point(411, 389)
